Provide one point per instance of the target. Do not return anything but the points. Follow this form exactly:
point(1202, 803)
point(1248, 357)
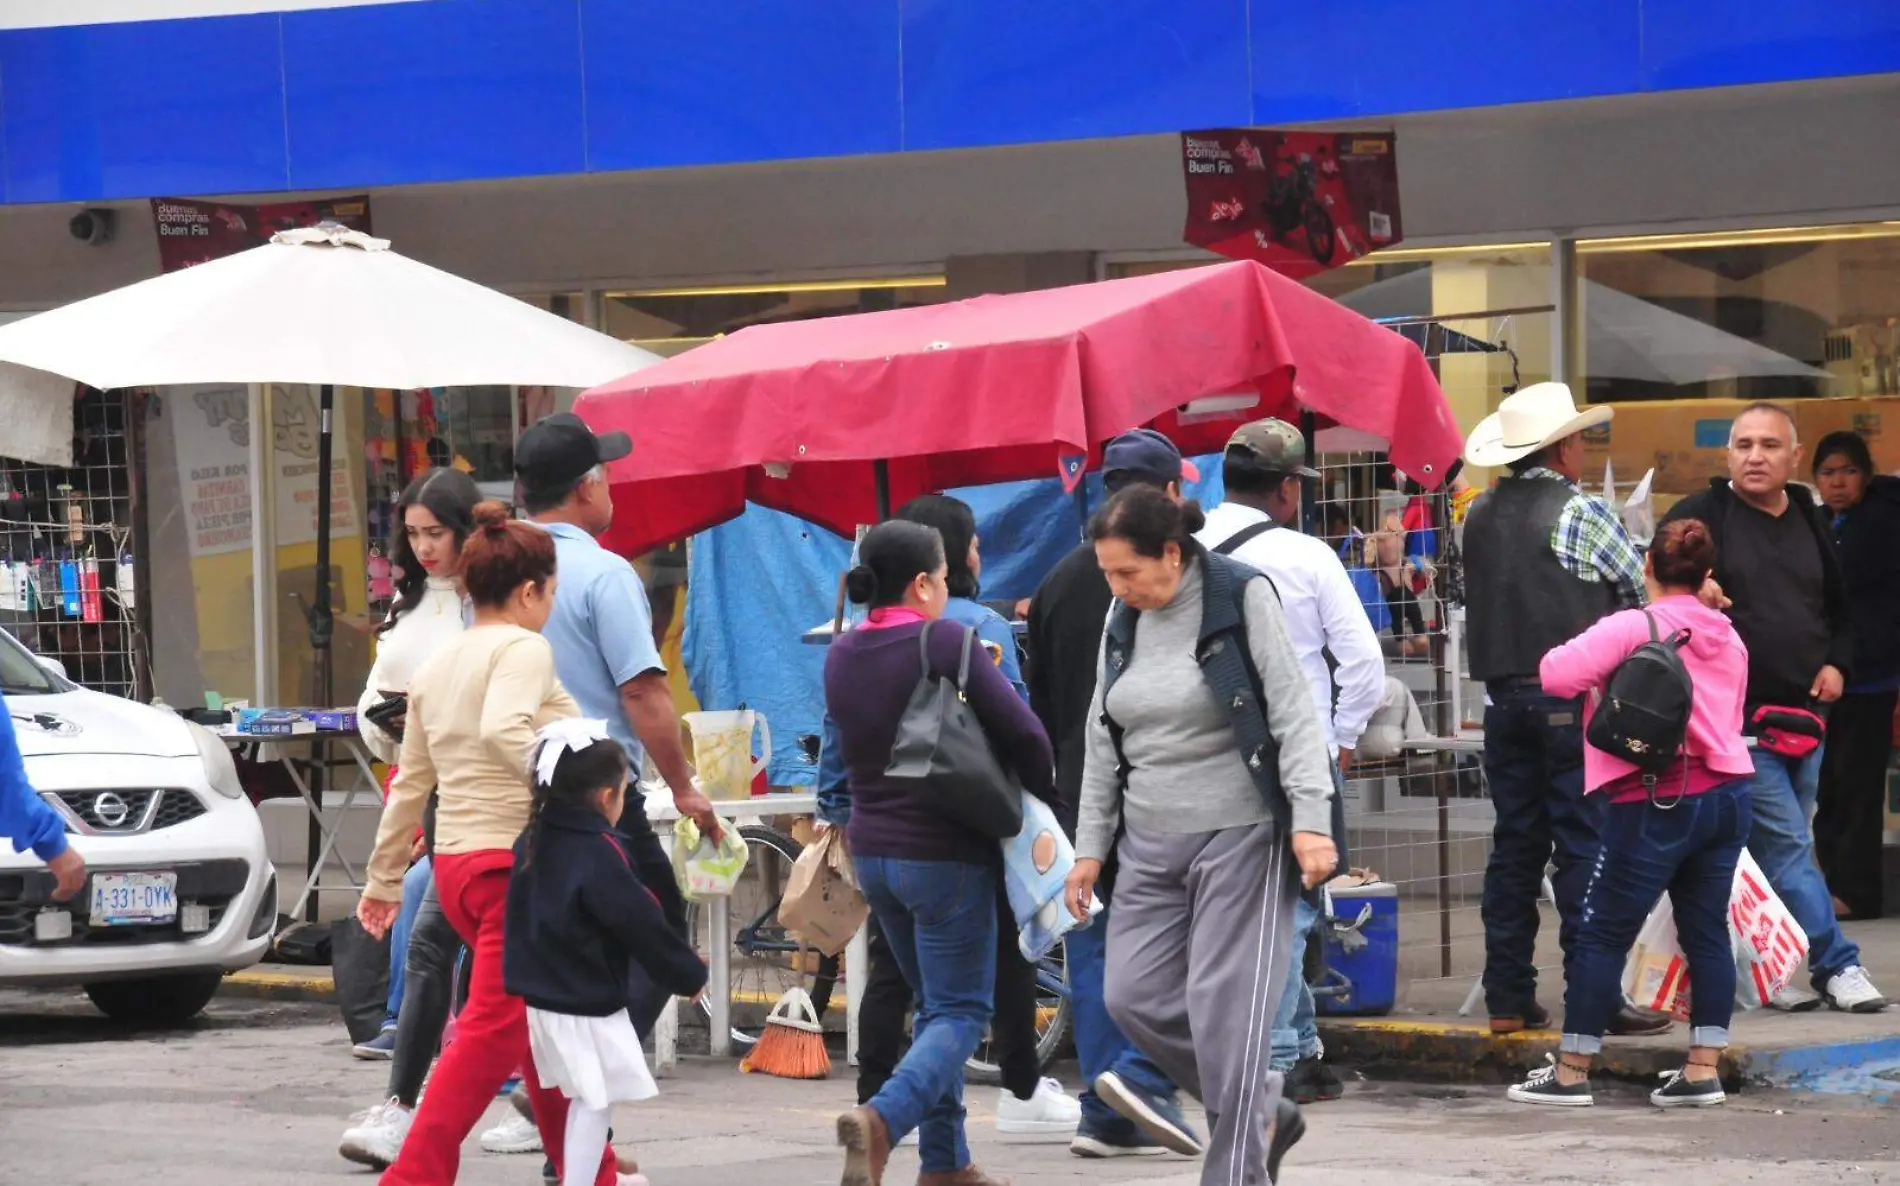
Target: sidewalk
point(1818, 1051)
point(1821, 1051)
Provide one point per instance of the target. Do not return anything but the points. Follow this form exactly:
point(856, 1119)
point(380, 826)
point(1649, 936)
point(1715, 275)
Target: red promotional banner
point(192, 232)
point(1299, 202)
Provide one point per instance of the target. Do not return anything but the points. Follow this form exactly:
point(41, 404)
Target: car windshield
point(21, 674)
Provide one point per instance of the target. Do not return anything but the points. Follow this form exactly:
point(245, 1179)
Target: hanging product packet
point(704, 868)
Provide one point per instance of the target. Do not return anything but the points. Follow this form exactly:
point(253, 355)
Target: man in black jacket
point(1777, 565)
point(1066, 619)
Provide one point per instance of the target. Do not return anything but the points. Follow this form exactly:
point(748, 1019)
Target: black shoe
point(1532, 1016)
point(548, 1176)
point(1631, 1022)
point(1311, 1081)
point(1157, 1116)
point(1542, 1088)
point(1678, 1091)
point(1288, 1127)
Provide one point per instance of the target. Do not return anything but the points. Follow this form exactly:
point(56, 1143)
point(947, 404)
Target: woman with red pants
point(473, 711)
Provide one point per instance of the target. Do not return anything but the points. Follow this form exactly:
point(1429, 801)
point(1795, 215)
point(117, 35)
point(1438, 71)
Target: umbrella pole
point(1309, 487)
point(322, 624)
point(881, 475)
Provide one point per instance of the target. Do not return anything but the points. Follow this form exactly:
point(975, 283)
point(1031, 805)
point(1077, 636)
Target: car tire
point(159, 1001)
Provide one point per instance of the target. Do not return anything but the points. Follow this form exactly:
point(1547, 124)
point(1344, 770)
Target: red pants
point(491, 1037)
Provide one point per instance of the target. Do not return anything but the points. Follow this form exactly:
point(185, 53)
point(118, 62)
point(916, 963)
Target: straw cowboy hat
point(1538, 416)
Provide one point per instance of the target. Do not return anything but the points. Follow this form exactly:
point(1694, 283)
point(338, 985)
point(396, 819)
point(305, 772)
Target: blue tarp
point(758, 583)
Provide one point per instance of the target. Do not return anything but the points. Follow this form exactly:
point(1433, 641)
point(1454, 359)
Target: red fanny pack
point(1787, 732)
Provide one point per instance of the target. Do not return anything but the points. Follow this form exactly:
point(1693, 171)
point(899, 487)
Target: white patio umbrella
point(324, 306)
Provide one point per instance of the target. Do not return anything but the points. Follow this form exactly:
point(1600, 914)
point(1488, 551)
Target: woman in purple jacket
point(930, 879)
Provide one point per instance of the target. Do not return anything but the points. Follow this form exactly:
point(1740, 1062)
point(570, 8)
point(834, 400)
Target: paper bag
point(822, 904)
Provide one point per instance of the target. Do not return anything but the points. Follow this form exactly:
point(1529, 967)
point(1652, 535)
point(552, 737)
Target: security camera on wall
point(91, 227)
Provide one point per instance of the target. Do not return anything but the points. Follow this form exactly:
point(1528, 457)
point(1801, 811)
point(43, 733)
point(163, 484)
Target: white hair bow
point(558, 737)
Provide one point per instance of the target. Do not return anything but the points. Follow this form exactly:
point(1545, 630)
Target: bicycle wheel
point(766, 961)
point(1052, 1022)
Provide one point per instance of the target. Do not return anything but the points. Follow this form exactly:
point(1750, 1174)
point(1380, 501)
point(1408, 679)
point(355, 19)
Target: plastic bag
point(822, 904)
point(1768, 946)
point(702, 868)
point(1036, 864)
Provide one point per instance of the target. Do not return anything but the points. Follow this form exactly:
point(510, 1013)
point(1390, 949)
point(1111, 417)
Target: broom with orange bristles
point(793, 1044)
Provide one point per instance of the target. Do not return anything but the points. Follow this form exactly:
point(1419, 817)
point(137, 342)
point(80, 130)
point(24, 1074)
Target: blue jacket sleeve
point(25, 819)
point(996, 630)
point(834, 792)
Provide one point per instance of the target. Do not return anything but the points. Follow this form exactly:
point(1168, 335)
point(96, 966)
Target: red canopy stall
point(834, 420)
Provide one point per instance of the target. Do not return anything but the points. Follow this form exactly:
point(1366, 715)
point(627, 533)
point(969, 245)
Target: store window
point(1784, 314)
point(673, 321)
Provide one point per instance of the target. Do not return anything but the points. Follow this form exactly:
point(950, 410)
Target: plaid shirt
point(1590, 541)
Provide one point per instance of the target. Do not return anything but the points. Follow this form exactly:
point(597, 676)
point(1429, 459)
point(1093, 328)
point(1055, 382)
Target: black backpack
point(1644, 713)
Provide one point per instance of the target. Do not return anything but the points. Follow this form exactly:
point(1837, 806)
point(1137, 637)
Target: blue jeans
point(1689, 850)
point(1295, 1027)
point(1533, 764)
point(1100, 1046)
point(939, 919)
point(415, 883)
point(1782, 843)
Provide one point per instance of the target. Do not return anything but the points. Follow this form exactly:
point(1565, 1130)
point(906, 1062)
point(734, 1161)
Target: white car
point(179, 888)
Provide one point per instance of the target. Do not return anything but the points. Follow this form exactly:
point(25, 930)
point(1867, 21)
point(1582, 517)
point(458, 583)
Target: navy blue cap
point(1145, 455)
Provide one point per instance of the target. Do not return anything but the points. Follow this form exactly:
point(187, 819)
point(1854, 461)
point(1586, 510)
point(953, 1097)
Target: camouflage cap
point(1277, 445)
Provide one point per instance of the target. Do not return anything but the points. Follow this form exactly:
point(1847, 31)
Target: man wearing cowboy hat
point(1543, 562)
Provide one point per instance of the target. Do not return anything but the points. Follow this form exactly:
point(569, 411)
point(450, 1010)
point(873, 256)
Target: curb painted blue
point(1834, 1068)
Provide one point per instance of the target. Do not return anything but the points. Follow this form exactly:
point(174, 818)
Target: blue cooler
point(1362, 951)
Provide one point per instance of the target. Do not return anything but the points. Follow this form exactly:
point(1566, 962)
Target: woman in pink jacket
point(1683, 834)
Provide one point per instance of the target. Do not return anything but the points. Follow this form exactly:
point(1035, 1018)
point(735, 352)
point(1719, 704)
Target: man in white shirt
point(1264, 464)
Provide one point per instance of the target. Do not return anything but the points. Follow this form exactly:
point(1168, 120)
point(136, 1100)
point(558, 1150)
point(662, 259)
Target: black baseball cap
point(558, 450)
point(1147, 456)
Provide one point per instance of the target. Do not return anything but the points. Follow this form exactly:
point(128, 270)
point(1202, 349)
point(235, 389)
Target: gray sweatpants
point(1198, 945)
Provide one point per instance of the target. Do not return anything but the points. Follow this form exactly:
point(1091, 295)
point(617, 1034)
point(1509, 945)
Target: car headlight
point(220, 770)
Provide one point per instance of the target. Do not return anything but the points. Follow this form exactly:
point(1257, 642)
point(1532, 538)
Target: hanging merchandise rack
point(71, 552)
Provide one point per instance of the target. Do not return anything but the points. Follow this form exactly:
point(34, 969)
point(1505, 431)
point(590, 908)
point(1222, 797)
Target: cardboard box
point(1876, 419)
point(1684, 440)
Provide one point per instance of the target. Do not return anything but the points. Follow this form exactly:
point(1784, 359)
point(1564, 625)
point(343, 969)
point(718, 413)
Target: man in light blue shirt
point(602, 627)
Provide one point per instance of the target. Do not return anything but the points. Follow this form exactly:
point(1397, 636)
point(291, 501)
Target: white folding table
point(660, 810)
point(329, 826)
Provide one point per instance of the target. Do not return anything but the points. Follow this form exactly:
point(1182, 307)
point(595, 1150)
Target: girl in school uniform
point(577, 916)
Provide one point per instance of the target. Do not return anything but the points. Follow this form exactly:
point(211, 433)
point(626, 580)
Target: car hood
point(85, 722)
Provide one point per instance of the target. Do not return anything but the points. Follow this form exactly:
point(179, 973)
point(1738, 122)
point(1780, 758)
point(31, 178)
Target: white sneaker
point(1850, 991)
point(377, 1136)
point(513, 1135)
point(1051, 1113)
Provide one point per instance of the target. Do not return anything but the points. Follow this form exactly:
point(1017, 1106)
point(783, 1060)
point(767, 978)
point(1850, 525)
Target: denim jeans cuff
point(1713, 1037)
point(1582, 1044)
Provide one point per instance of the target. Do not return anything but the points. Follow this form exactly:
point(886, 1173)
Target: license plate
point(133, 899)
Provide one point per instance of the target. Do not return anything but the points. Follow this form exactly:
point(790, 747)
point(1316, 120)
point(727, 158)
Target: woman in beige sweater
point(474, 708)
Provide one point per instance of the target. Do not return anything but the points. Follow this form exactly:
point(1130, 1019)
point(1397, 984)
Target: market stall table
point(662, 813)
point(327, 827)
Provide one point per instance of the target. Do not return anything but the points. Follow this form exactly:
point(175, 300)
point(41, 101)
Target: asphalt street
point(257, 1093)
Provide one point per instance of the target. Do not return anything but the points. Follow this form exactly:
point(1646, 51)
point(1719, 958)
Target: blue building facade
point(472, 90)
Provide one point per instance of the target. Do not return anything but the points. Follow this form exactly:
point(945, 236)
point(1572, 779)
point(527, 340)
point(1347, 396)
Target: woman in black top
point(1864, 511)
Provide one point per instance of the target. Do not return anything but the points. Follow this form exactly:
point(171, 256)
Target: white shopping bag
point(1769, 949)
point(1770, 946)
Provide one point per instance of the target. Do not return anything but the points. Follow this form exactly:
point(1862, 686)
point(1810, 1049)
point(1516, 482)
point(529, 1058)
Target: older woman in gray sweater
point(1205, 752)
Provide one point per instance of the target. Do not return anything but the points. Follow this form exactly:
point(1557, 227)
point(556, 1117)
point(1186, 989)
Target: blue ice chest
point(1362, 951)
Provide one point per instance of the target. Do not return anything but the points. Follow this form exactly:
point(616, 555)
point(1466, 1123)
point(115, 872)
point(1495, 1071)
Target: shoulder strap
point(963, 664)
point(923, 646)
point(1243, 537)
